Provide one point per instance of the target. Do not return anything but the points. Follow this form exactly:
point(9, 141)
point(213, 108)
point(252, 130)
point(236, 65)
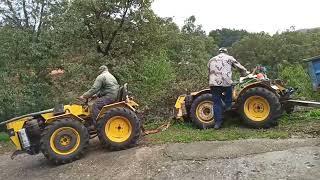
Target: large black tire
point(201, 111)
point(119, 129)
point(260, 108)
point(188, 103)
point(57, 133)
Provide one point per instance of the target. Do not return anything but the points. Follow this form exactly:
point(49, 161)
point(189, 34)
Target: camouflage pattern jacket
point(220, 70)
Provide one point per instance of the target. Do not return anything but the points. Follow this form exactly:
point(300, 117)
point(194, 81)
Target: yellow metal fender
point(126, 104)
point(276, 89)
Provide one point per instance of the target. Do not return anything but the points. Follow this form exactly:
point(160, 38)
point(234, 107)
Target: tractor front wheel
point(119, 129)
point(260, 108)
point(64, 141)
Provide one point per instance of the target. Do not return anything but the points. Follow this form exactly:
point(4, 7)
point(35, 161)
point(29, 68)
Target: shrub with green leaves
point(296, 76)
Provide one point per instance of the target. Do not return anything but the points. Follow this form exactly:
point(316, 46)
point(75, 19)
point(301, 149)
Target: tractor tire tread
point(193, 115)
point(275, 107)
point(45, 139)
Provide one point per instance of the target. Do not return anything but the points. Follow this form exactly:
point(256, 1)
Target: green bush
point(4, 137)
point(297, 77)
point(156, 77)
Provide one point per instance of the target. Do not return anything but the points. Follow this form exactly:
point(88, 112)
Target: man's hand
point(82, 98)
point(94, 97)
point(251, 76)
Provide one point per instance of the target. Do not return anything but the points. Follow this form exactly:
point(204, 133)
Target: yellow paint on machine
point(16, 126)
point(180, 105)
point(118, 129)
point(257, 108)
point(73, 110)
point(180, 101)
point(64, 132)
point(204, 112)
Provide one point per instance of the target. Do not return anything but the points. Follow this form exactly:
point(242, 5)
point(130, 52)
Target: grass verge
point(5, 145)
point(299, 124)
point(4, 137)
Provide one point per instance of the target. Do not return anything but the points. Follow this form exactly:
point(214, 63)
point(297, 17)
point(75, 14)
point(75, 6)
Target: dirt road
point(244, 159)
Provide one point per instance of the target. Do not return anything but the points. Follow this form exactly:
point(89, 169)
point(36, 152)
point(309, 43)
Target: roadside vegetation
point(4, 137)
point(297, 125)
point(5, 145)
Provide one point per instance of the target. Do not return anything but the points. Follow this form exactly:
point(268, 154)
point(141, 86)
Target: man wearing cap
point(220, 81)
point(105, 87)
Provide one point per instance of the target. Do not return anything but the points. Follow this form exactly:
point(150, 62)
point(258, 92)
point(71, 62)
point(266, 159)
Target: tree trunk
point(40, 19)
point(114, 34)
point(14, 15)
point(26, 18)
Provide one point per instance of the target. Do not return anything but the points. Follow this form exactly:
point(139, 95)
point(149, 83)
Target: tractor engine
point(31, 141)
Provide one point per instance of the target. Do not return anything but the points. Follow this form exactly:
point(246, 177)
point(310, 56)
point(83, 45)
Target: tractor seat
point(123, 92)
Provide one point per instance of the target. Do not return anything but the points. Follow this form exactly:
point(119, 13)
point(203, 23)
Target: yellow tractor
point(258, 100)
point(62, 134)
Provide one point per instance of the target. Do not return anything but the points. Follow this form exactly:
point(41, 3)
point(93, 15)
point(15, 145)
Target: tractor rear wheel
point(64, 141)
point(201, 111)
point(260, 108)
point(119, 129)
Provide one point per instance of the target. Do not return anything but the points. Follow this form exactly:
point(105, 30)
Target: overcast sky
point(253, 15)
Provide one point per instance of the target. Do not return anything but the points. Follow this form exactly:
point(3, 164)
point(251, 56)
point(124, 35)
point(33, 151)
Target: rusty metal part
point(161, 128)
point(16, 153)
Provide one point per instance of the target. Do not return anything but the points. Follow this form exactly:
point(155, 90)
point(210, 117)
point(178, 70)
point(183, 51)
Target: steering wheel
point(86, 101)
point(82, 101)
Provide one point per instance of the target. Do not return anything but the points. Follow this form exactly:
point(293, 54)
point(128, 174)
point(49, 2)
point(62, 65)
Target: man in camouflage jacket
point(220, 81)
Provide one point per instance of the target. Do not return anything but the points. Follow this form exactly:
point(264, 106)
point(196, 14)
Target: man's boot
point(217, 125)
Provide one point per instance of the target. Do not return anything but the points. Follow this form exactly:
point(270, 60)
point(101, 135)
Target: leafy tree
point(29, 15)
point(190, 27)
point(226, 37)
point(107, 20)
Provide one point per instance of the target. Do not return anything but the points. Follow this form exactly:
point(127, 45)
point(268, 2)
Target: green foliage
point(274, 51)
point(4, 137)
point(110, 23)
point(188, 133)
point(23, 73)
point(296, 76)
point(191, 28)
point(226, 37)
point(299, 124)
point(156, 73)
